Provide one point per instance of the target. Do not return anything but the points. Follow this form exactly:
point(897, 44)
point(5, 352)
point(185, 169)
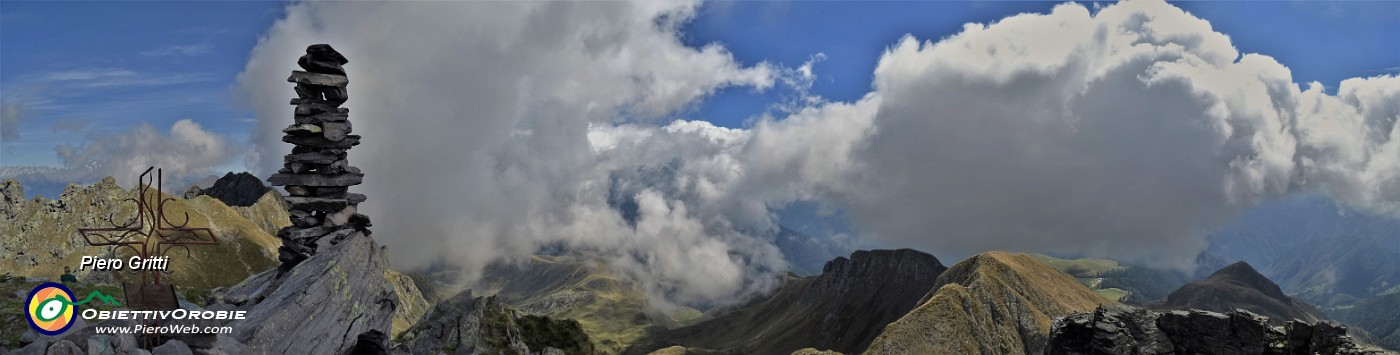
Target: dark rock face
point(1130, 330)
point(484, 325)
point(241, 189)
point(1240, 286)
point(322, 306)
point(842, 310)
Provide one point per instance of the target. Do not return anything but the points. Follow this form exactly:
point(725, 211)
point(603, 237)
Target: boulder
point(321, 305)
point(65, 347)
point(172, 347)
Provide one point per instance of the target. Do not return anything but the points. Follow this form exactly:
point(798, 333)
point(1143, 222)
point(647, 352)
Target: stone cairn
point(316, 175)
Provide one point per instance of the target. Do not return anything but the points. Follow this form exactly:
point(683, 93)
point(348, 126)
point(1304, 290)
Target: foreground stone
point(319, 307)
point(1130, 330)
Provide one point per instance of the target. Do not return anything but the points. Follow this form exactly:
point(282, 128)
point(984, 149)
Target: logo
point(50, 307)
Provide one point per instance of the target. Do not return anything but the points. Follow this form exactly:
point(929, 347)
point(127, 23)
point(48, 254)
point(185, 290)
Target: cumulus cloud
point(1130, 132)
point(495, 129)
point(486, 111)
point(185, 153)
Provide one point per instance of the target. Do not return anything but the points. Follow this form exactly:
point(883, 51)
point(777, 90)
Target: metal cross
point(156, 233)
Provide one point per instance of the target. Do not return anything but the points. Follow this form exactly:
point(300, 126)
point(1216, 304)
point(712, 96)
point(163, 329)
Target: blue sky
point(86, 67)
point(78, 68)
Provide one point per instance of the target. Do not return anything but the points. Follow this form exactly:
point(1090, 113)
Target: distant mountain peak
point(1240, 286)
point(1241, 273)
point(994, 302)
point(235, 189)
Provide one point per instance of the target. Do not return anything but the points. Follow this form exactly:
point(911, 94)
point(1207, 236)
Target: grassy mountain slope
point(1337, 271)
point(40, 236)
point(612, 309)
point(992, 303)
point(841, 310)
point(1379, 316)
point(1088, 271)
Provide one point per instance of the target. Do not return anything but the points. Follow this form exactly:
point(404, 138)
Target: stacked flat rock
point(316, 176)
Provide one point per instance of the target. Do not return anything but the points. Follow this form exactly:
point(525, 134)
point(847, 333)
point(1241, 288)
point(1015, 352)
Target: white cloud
point(1127, 133)
point(185, 154)
point(485, 108)
point(493, 129)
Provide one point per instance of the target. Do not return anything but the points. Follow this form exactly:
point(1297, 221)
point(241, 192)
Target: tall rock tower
point(316, 174)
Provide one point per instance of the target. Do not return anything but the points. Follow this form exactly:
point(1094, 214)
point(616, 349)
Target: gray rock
point(304, 218)
point(341, 217)
point(1129, 330)
point(100, 345)
point(302, 77)
point(332, 191)
point(172, 347)
point(37, 347)
point(321, 58)
point(304, 129)
point(320, 118)
point(296, 190)
point(322, 304)
point(139, 351)
point(29, 336)
point(301, 235)
point(321, 142)
point(315, 179)
point(193, 191)
point(248, 292)
point(225, 344)
point(336, 131)
point(64, 347)
point(313, 158)
point(307, 107)
point(124, 343)
point(318, 204)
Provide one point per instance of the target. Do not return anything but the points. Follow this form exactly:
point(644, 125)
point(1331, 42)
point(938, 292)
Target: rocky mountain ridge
point(994, 302)
point(1131, 330)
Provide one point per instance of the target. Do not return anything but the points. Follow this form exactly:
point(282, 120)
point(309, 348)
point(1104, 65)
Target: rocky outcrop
point(992, 303)
point(411, 305)
point(319, 307)
point(1239, 286)
point(1378, 316)
point(484, 325)
point(235, 189)
point(841, 310)
point(1130, 330)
